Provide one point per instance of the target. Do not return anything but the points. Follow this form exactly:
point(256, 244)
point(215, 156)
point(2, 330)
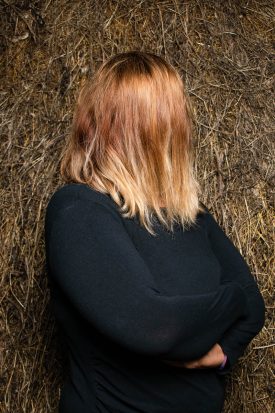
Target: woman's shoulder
point(73, 194)
point(204, 216)
point(205, 209)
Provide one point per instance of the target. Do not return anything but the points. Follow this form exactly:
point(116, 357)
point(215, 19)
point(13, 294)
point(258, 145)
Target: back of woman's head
point(131, 138)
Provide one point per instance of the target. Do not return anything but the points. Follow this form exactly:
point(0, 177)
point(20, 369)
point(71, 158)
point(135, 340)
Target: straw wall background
point(224, 51)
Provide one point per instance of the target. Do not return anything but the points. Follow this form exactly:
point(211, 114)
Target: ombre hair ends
point(131, 138)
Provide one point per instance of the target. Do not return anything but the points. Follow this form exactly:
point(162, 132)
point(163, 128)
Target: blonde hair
point(131, 139)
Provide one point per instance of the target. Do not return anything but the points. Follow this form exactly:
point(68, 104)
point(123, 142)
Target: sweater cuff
point(226, 367)
point(223, 363)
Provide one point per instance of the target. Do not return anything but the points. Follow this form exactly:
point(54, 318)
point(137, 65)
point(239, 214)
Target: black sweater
point(125, 301)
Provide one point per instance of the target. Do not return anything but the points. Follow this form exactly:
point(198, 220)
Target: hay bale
point(223, 51)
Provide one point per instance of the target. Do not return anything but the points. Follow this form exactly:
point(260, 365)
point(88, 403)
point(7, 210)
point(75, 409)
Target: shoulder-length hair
point(131, 138)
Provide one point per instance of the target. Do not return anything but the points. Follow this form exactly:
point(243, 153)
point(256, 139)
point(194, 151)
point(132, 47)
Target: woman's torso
point(105, 378)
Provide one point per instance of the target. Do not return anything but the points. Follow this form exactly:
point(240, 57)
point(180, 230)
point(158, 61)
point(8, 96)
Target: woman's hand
point(213, 358)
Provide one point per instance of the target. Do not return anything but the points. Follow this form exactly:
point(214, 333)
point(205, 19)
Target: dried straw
point(223, 50)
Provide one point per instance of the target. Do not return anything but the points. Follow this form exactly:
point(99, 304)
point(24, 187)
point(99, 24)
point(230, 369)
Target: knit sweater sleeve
point(234, 268)
point(92, 258)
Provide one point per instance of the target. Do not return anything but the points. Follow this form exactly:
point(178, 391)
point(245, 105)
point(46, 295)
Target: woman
point(154, 302)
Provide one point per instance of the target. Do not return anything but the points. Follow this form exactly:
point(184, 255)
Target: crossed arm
point(94, 261)
point(234, 268)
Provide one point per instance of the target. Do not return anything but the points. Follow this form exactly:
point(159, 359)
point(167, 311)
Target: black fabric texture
point(125, 301)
